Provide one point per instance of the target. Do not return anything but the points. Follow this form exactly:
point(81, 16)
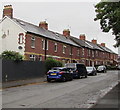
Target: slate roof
point(85, 43)
point(43, 32)
point(106, 49)
point(81, 42)
point(58, 37)
point(94, 45)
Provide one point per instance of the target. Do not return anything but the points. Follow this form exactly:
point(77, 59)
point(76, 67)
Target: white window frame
point(43, 44)
point(55, 47)
point(20, 39)
point(89, 52)
point(64, 49)
point(93, 54)
point(47, 45)
point(78, 52)
point(40, 58)
point(32, 41)
point(83, 51)
point(70, 50)
point(32, 57)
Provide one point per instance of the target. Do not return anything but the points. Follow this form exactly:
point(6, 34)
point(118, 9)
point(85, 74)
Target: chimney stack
point(8, 11)
point(103, 44)
point(44, 25)
point(94, 41)
point(66, 32)
point(82, 37)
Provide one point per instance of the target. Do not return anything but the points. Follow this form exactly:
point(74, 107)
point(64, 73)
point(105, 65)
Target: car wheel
point(48, 80)
point(71, 79)
point(85, 76)
point(79, 77)
point(64, 79)
point(94, 74)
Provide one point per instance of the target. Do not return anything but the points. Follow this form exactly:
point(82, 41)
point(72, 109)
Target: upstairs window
point(78, 52)
point(43, 44)
point(64, 49)
point(83, 51)
point(55, 47)
point(21, 38)
point(70, 50)
point(89, 51)
point(92, 53)
point(47, 43)
point(33, 42)
point(96, 53)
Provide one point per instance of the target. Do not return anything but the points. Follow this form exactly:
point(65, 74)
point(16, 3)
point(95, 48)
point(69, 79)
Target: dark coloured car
point(101, 68)
point(59, 73)
point(78, 70)
point(91, 71)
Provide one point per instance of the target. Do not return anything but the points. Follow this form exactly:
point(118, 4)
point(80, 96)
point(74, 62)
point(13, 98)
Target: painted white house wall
point(9, 32)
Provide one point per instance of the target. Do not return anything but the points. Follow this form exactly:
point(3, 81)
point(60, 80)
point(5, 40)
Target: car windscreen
point(100, 67)
point(89, 68)
point(59, 69)
point(70, 65)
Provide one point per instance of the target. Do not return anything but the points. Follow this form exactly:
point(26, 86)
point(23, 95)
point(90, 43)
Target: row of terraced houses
point(39, 43)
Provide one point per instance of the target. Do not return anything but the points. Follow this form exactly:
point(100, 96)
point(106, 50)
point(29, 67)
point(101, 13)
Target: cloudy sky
point(77, 16)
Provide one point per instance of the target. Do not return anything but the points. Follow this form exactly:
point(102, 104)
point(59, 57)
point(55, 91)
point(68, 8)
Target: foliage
point(50, 62)
point(109, 15)
point(12, 55)
point(111, 67)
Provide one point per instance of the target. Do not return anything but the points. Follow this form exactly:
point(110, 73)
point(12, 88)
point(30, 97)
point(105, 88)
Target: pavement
point(23, 82)
point(111, 100)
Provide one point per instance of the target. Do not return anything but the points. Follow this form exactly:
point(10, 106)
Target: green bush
point(109, 67)
point(50, 62)
point(12, 55)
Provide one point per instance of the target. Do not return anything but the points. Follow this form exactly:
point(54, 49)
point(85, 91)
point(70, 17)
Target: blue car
point(59, 73)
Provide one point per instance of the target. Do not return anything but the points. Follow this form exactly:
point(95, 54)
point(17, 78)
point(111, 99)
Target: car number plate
point(53, 73)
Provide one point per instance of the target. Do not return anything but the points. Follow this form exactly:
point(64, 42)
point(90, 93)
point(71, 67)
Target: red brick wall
point(38, 48)
point(100, 57)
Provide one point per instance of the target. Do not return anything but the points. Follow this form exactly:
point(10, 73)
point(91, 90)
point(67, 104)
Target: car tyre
point(85, 76)
point(94, 74)
point(79, 77)
point(48, 80)
point(64, 79)
point(71, 79)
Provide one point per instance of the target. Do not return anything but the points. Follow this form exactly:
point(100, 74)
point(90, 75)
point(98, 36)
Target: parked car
point(101, 68)
point(91, 71)
point(59, 73)
point(78, 70)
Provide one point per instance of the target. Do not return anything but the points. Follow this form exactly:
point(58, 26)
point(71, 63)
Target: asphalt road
point(79, 93)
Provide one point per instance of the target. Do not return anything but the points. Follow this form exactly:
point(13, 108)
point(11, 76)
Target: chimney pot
point(66, 32)
point(94, 41)
point(103, 44)
point(82, 37)
point(44, 25)
point(8, 11)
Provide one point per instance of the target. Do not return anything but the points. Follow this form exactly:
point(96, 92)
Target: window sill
point(32, 47)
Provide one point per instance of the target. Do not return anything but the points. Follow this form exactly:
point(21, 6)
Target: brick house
point(39, 43)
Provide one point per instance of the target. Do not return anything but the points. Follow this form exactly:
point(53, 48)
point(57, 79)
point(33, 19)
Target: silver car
point(91, 70)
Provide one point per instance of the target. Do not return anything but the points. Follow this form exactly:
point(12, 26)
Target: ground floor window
point(32, 57)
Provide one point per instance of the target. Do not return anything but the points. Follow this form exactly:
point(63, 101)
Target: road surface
point(79, 93)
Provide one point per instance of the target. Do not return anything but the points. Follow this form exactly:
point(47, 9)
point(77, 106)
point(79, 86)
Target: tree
point(50, 62)
point(11, 55)
point(109, 15)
